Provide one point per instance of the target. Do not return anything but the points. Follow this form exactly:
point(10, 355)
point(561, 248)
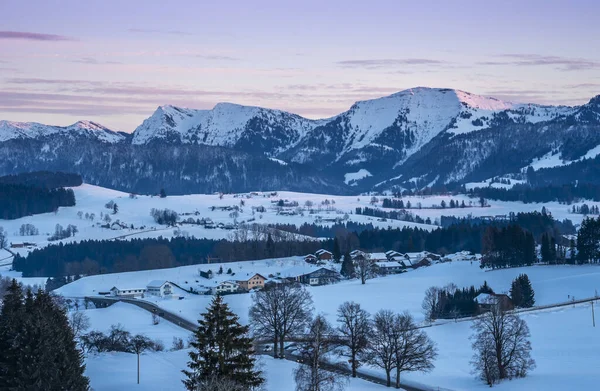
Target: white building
point(388, 267)
point(160, 288)
point(227, 287)
point(127, 292)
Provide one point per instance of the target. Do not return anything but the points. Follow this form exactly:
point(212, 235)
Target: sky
point(115, 62)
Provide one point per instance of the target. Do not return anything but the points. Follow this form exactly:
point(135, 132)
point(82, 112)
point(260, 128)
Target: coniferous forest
point(35, 192)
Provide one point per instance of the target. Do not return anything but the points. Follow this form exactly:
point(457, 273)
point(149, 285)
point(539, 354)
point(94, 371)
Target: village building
point(310, 258)
point(393, 254)
point(388, 267)
point(256, 281)
point(127, 292)
point(160, 288)
point(378, 257)
point(324, 255)
point(356, 253)
point(485, 302)
point(226, 287)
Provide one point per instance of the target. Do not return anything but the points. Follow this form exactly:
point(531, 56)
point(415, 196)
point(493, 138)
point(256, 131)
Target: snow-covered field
point(565, 347)
point(162, 372)
point(136, 211)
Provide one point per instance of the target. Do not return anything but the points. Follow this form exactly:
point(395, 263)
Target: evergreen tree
point(527, 291)
point(545, 249)
point(221, 349)
point(270, 246)
point(39, 348)
point(347, 266)
point(163, 193)
point(337, 253)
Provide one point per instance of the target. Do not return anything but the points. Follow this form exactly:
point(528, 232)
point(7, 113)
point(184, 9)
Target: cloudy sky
point(114, 62)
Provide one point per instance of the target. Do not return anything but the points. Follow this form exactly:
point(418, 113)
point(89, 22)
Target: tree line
point(43, 179)
point(89, 257)
point(23, 200)
point(566, 193)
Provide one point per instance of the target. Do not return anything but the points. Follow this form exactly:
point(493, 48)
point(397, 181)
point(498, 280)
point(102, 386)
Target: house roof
point(321, 268)
point(378, 256)
point(322, 251)
point(127, 289)
point(252, 276)
point(485, 298)
point(156, 283)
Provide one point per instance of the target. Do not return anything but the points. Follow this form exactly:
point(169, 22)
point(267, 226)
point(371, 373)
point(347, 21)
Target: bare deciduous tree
point(80, 323)
point(364, 266)
point(414, 351)
point(431, 302)
point(508, 337)
point(354, 328)
point(502, 347)
point(3, 240)
point(310, 375)
point(280, 311)
point(396, 344)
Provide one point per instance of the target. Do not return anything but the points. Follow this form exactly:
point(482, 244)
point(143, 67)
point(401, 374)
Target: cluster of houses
point(314, 272)
point(390, 262)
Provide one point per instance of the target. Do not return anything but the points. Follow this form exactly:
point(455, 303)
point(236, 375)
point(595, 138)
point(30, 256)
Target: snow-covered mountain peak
point(29, 130)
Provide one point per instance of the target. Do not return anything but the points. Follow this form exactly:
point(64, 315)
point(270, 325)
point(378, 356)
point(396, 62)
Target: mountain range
point(414, 138)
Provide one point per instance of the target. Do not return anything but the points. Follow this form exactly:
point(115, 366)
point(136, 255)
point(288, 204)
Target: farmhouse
point(391, 254)
point(388, 267)
point(127, 292)
point(256, 281)
point(225, 287)
point(324, 255)
point(321, 276)
point(206, 274)
point(160, 288)
point(356, 253)
point(486, 301)
point(310, 258)
point(378, 257)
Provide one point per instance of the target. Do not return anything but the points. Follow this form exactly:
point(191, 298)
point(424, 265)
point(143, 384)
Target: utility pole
point(593, 317)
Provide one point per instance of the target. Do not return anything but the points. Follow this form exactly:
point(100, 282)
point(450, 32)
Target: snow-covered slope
point(30, 130)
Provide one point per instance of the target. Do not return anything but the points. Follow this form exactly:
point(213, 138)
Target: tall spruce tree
point(39, 349)
point(337, 252)
point(347, 266)
point(222, 349)
point(527, 291)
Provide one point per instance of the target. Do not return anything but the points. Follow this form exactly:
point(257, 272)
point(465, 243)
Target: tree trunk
point(275, 348)
point(138, 359)
point(281, 350)
point(354, 364)
point(397, 378)
point(389, 377)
